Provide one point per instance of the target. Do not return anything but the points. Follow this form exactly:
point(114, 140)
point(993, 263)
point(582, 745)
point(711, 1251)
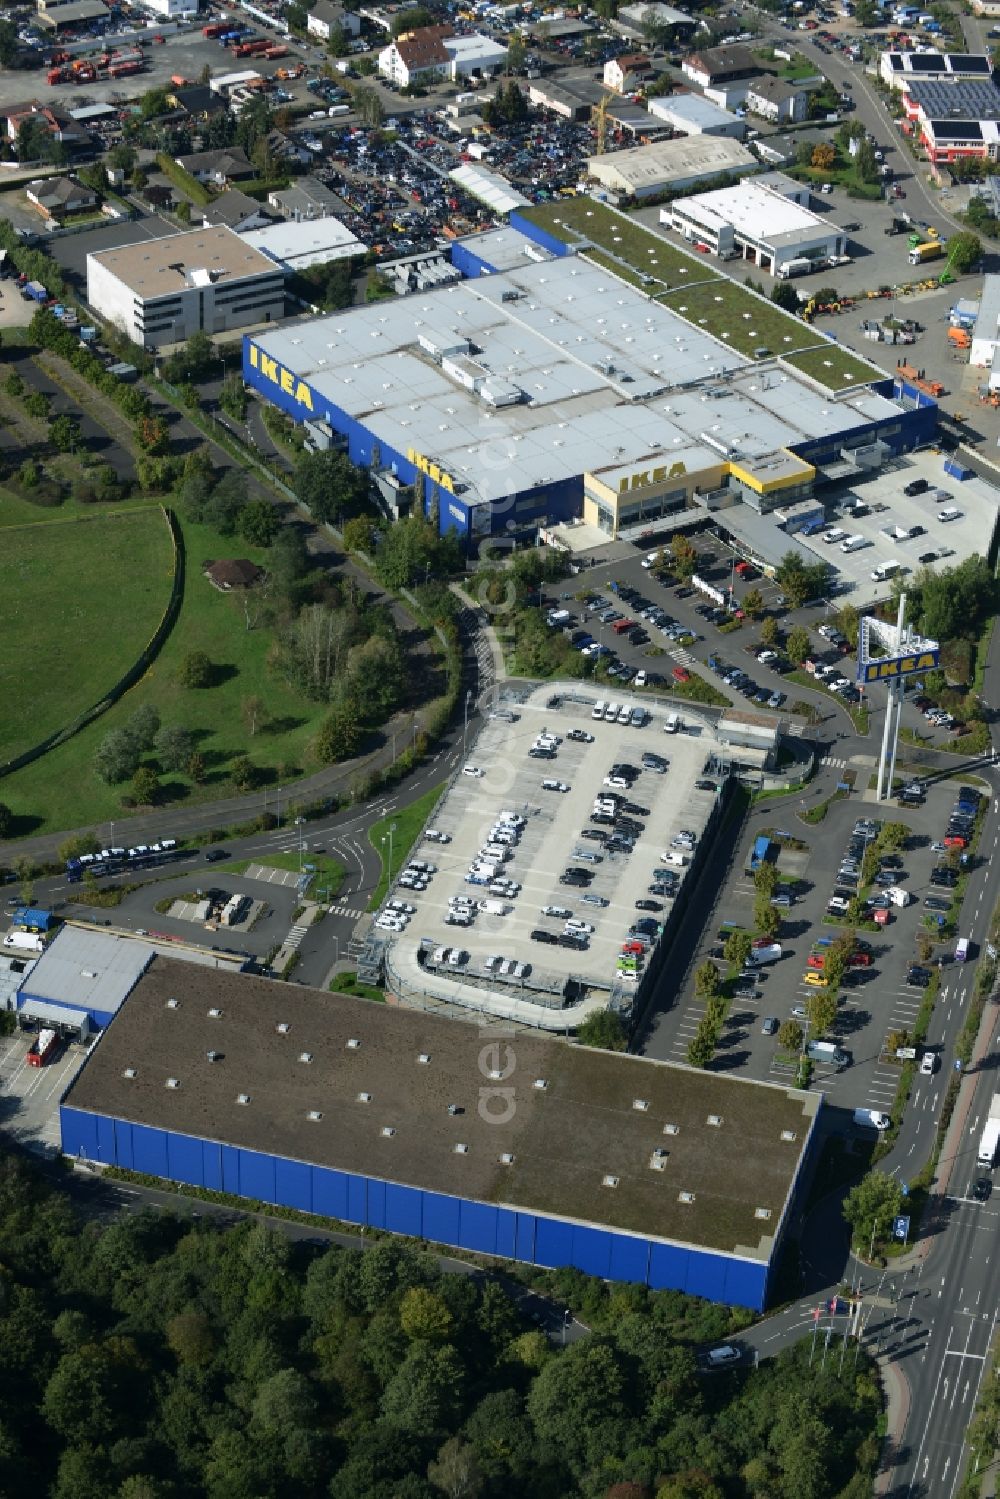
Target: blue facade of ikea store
point(480, 1227)
point(525, 510)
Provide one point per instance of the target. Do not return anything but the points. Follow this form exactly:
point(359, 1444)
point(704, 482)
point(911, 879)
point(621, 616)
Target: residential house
point(230, 164)
point(236, 211)
point(233, 572)
point(56, 121)
point(57, 197)
point(306, 200)
point(715, 65)
point(624, 73)
point(777, 100)
point(435, 52)
point(198, 100)
point(325, 17)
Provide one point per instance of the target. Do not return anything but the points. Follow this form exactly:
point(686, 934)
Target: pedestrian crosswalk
point(295, 936)
point(681, 656)
point(836, 762)
point(338, 909)
point(796, 730)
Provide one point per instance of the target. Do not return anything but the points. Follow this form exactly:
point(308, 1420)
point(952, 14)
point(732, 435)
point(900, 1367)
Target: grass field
point(739, 319)
point(575, 219)
point(62, 791)
point(833, 367)
point(408, 822)
point(81, 599)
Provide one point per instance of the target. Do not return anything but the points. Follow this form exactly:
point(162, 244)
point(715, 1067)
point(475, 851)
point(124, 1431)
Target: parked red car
point(860, 960)
point(816, 960)
point(954, 840)
point(681, 674)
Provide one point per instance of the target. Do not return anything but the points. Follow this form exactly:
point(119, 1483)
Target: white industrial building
point(898, 69)
point(693, 114)
point(670, 164)
point(758, 222)
point(298, 245)
point(986, 333)
point(160, 291)
point(434, 51)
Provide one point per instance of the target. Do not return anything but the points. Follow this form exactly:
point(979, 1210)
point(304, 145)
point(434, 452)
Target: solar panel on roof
point(956, 130)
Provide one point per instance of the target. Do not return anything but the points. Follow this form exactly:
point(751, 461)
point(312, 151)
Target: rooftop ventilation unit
point(541, 1083)
point(762, 1213)
point(658, 1160)
point(243, 1098)
point(130, 1072)
point(461, 1149)
point(305, 1056)
point(507, 1159)
point(364, 1098)
point(173, 1082)
point(609, 1181)
point(424, 1058)
point(282, 1027)
point(173, 1004)
point(715, 1120)
point(353, 1044)
point(214, 1056)
point(87, 973)
point(641, 1105)
point(687, 1197)
point(789, 1136)
point(388, 1131)
point(315, 1115)
point(215, 1013)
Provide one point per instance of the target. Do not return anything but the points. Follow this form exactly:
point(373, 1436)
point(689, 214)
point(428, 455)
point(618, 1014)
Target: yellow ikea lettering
point(269, 368)
point(284, 379)
point(880, 671)
point(432, 470)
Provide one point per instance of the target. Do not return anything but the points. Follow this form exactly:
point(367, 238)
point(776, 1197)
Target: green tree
point(367, 105)
point(6, 820)
point(798, 580)
point(785, 296)
point(339, 737)
point(965, 250)
point(195, 670)
point(822, 1007)
point(737, 948)
point(706, 979)
point(143, 725)
point(753, 602)
point(8, 43)
point(765, 878)
point(412, 20)
point(865, 162)
point(683, 554)
point(191, 1338)
point(424, 1316)
point(259, 523)
point(701, 1047)
point(425, 1393)
point(790, 1036)
point(145, 786)
point(36, 403)
point(769, 631)
point(197, 767)
point(252, 711)
point(330, 486)
point(154, 102)
point(338, 43)
point(456, 1471)
point(766, 918)
point(515, 52)
point(116, 757)
point(870, 1207)
point(174, 746)
point(233, 397)
point(604, 1030)
point(359, 534)
point(798, 646)
point(243, 774)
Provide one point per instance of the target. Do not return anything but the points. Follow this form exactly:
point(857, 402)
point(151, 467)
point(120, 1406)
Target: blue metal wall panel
point(553, 1243)
point(706, 1276)
point(101, 1018)
point(357, 1200)
point(470, 264)
point(478, 1227)
point(592, 1251)
point(375, 1195)
point(629, 1259)
point(667, 1267)
point(403, 1210)
point(106, 1150)
point(149, 1150)
point(524, 1245)
point(257, 1173)
point(184, 1158)
point(442, 1216)
point(330, 1193)
point(231, 1169)
point(506, 1232)
point(78, 1133)
point(211, 1166)
point(123, 1145)
point(746, 1285)
point(293, 1187)
point(539, 235)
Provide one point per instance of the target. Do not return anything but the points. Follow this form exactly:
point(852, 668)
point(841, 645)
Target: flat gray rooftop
point(90, 970)
point(608, 378)
point(550, 842)
point(565, 1137)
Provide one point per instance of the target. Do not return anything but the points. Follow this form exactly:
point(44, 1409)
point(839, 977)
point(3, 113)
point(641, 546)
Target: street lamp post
point(299, 822)
point(465, 725)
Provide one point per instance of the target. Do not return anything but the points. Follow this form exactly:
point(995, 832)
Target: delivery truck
point(42, 1048)
point(929, 250)
point(24, 942)
point(827, 1051)
point(987, 1153)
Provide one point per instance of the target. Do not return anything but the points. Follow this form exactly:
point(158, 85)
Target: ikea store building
point(541, 389)
point(502, 1144)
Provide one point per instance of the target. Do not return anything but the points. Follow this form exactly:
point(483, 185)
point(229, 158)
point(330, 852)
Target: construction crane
point(946, 278)
point(600, 113)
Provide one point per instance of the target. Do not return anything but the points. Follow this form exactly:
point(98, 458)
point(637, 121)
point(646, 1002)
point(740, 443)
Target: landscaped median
point(404, 827)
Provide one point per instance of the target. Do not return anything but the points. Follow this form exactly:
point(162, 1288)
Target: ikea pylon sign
point(276, 374)
point(891, 668)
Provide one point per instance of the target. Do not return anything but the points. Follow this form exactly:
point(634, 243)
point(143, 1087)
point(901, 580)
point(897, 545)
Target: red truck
point(42, 1048)
point(124, 69)
point(216, 30)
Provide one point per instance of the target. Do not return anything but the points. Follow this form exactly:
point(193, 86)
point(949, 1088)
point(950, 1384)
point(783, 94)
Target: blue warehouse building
point(506, 399)
point(506, 1145)
point(81, 980)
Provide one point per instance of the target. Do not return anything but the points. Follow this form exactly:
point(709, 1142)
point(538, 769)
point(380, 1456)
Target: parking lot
point(643, 839)
point(29, 1096)
point(876, 999)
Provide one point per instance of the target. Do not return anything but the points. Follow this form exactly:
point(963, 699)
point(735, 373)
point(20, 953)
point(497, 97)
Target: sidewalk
point(485, 627)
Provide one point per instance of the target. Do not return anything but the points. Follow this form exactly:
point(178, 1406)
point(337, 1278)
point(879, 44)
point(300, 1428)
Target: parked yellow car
point(815, 980)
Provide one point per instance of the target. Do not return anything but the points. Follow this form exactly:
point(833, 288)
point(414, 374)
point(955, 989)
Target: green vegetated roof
point(691, 288)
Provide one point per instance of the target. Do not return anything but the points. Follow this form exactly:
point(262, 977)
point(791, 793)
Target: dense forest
point(161, 1356)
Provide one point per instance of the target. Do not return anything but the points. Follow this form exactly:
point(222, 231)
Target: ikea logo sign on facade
point(900, 666)
point(271, 370)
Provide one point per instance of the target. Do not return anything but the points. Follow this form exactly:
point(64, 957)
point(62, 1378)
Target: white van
point(597, 711)
point(495, 907)
point(834, 534)
point(611, 713)
point(673, 857)
point(769, 954)
point(884, 571)
point(853, 544)
point(871, 1119)
point(898, 895)
point(672, 724)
